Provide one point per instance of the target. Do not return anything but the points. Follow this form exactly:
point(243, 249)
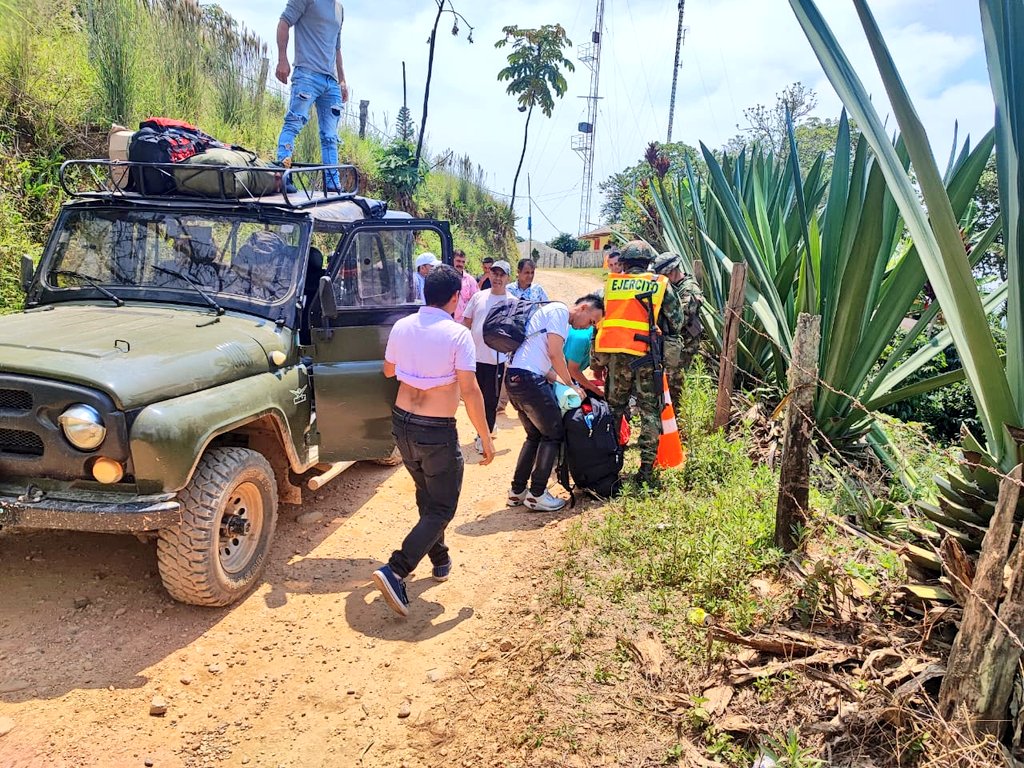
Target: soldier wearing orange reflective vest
point(632, 300)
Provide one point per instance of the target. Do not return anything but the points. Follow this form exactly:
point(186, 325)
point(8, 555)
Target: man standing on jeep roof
point(319, 77)
point(434, 359)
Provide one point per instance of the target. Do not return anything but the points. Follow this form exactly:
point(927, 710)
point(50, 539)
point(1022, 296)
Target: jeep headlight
point(83, 426)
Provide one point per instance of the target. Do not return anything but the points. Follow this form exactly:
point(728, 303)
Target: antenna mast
point(680, 39)
point(583, 143)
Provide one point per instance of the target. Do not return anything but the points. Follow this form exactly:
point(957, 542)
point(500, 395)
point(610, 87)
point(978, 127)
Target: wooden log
point(984, 660)
point(730, 337)
point(364, 113)
point(794, 479)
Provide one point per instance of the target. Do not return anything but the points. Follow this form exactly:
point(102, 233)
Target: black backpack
point(505, 325)
point(162, 141)
point(591, 457)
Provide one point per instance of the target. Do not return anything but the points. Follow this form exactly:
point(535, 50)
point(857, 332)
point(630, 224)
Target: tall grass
point(180, 41)
point(113, 28)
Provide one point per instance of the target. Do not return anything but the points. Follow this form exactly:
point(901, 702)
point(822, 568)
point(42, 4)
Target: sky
point(737, 53)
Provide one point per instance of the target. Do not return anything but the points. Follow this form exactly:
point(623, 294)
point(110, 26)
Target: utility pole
point(529, 217)
point(680, 38)
point(583, 143)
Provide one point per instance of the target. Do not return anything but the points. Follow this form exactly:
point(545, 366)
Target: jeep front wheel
point(228, 515)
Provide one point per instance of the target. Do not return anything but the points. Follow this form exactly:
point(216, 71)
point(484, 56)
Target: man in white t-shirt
point(490, 364)
point(534, 396)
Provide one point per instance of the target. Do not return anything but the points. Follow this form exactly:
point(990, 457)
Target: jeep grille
point(15, 400)
point(20, 443)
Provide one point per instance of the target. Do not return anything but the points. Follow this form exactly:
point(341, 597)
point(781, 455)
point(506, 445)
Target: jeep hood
point(137, 354)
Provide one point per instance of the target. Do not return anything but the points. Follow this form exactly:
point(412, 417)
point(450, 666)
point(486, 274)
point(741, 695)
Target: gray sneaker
point(543, 503)
point(516, 499)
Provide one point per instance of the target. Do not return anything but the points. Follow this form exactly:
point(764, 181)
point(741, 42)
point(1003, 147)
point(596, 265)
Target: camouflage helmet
point(636, 252)
point(667, 262)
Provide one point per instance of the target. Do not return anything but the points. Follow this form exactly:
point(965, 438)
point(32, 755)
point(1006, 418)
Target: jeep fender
point(167, 439)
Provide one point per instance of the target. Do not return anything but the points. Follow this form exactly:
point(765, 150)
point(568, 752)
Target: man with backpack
point(642, 312)
point(318, 79)
point(539, 331)
point(434, 360)
point(679, 351)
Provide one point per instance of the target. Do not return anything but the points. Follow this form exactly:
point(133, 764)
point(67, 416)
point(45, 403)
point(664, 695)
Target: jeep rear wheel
point(229, 511)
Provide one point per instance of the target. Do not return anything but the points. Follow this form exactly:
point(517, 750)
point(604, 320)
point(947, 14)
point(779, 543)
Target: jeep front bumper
point(141, 513)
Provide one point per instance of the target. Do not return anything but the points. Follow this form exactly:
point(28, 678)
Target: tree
point(767, 125)
point(568, 244)
point(534, 70)
point(620, 186)
point(442, 7)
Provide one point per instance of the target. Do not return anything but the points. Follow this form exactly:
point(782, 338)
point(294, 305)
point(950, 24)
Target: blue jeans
point(430, 451)
point(309, 88)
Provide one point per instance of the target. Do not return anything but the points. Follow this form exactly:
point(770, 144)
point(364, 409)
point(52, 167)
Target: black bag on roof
point(160, 140)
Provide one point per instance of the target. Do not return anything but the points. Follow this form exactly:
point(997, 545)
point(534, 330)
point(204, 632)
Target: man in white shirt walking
point(434, 359)
point(534, 396)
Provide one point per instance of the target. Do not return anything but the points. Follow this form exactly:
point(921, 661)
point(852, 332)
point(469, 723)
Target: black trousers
point(534, 399)
point(430, 451)
point(488, 376)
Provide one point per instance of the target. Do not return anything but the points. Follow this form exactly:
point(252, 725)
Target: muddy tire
point(391, 461)
point(229, 511)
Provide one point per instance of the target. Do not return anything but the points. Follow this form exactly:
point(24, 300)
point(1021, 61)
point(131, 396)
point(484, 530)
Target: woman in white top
point(490, 366)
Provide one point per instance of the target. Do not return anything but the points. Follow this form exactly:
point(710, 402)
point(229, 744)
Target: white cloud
point(737, 53)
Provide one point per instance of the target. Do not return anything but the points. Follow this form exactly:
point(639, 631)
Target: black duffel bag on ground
point(591, 457)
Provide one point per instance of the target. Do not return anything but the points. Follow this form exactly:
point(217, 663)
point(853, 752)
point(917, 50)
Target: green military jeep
point(185, 363)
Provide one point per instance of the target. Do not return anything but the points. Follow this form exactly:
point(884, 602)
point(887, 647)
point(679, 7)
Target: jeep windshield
point(233, 258)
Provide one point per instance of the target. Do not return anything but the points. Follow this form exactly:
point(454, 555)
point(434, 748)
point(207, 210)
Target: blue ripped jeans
point(309, 88)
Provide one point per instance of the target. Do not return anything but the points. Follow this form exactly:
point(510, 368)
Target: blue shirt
point(533, 293)
point(577, 346)
point(317, 25)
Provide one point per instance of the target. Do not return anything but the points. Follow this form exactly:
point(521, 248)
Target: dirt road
point(312, 669)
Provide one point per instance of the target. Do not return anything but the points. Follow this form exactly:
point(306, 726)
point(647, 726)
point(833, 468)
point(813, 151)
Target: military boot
point(646, 477)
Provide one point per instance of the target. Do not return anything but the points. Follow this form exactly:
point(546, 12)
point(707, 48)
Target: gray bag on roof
point(194, 177)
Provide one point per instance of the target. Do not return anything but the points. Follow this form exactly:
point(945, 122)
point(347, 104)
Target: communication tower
point(680, 39)
point(583, 142)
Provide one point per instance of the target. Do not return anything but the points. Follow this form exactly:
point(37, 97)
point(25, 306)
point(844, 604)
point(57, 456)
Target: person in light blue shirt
point(524, 288)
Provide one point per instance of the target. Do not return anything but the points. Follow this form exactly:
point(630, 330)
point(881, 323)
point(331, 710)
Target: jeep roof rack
point(300, 186)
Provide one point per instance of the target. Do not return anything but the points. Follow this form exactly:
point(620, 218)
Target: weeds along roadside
point(631, 610)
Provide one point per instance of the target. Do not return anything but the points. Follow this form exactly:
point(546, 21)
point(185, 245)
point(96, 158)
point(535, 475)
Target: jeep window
point(376, 267)
point(233, 255)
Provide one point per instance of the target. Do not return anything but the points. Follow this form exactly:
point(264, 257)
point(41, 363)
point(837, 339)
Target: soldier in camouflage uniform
point(679, 352)
point(624, 380)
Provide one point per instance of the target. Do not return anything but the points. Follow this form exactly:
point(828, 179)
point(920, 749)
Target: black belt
point(407, 417)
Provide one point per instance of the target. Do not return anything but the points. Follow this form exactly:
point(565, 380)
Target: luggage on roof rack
point(297, 187)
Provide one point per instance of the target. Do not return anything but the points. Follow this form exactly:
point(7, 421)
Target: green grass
point(698, 542)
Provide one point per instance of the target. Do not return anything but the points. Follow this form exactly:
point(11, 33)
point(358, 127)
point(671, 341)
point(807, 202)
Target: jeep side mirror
point(325, 293)
point(28, 269)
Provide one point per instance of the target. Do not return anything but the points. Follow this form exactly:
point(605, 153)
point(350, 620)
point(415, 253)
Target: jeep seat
point(261, 268)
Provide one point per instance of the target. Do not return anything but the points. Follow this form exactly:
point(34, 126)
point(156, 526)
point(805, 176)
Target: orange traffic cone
point(671, 452)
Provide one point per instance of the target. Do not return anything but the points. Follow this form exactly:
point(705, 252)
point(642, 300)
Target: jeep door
point(371, 279)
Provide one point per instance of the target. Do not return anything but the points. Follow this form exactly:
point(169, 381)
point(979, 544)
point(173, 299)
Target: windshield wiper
point(118, 301)
point(199, 289)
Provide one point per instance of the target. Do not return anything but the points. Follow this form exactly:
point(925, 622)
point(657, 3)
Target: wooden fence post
point(364, 111)
point(982, 666)
point(261, 85)
point(730, 335)
point(794, 479)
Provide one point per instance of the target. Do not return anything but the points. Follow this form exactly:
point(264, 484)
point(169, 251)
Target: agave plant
point(929, 211)
point(830, 246)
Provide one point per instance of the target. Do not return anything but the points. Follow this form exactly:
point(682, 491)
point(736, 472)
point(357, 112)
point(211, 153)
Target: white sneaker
point(516, 499)
point(543, 503)
point(479, 445)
